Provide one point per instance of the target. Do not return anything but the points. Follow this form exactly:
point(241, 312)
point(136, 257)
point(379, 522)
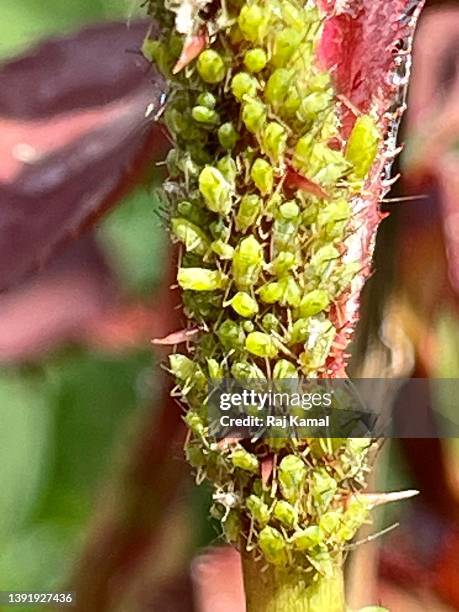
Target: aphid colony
point(259, 191)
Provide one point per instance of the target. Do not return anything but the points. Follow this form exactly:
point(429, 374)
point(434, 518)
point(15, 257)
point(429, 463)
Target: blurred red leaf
point(75, 146)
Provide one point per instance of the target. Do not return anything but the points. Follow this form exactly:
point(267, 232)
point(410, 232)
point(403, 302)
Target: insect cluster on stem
point(259, 191)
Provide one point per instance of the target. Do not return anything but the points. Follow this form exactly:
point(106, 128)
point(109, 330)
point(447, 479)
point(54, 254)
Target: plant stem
point(291, 590)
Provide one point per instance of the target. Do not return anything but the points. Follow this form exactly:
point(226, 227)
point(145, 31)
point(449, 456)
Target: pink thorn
point(191, 49)
point(177, 337)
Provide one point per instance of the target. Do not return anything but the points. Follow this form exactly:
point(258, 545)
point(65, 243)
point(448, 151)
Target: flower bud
point(202, 114)
point(207, 99)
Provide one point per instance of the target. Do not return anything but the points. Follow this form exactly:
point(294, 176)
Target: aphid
point(277, 87)
point(254, 115)
point(207, 99)
point(243, 371)
point(308, 538)
point(232, 526)
point(274, 141)
point(273, 545)
point(255, 60)
point(211, 67)
point(261, 345)
point(227, 167)
point(286, 42)
point(362, 146)
point(253, 22)
point(284, 369)
point(191, 235)
point(242, 84)
point(323, 488)
point(231, 335)
point(244, 460)
point(291, 292)
point(285, 513)
point(200, 279)
point(203, 114)
point(314, 104)
point(262, 175)
point(258, 510)
point(224, 250)
point(291, 475)
point(247, 262)
point(244, 305)
point(216, 190)
point(227, 135)
point(248, 212)
point(314, 302)
point(270, 293)
point(181, 366)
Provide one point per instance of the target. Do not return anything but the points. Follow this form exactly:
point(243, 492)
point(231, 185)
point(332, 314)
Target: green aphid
point(322, 258)
point(215, 369)
point(291, 292)
point(286, 42)
point(314, 302)
point(195, 456)
point(191, 235)
point(363, 144)
point(284, 235)
point(270, 323)
point(205, 115)
point(216, 190)
point(322, 562)
point(255, 60)
point(284, 369)
point(325, 165)
point(355, 515)
point(194, 422)
point(249, 210)
point(333, 218)
point(258, 510)
point(284, 263)
point(291, 103)
point(231, 335)
point(274, 141)
point(227, 135)
point(247, 263)
point(232, 527)
point(253, 21)
point(323, 488)
point(289, 210)
point(291, 476)
point(220, 230)
point(254, 115)
point(244, 460)
point(285, 513)
point(319, 82)
point(299, 332)
point(207, 99)
point(271, 293)
point(330, 521)
point(277, 87)
point(157, 52)
point(308, 538)
point(242, 84)
point(224, 250)
point(244, 305)
point(261, 345)
point(227, 167)
point(181, 366)
point(292, 15)
point(211, 67)
point(243, 371)
point(262, 175)
point(321, 335)
point(200, 279)
point(303, 152)
point(314, 104)
point(273, 546)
